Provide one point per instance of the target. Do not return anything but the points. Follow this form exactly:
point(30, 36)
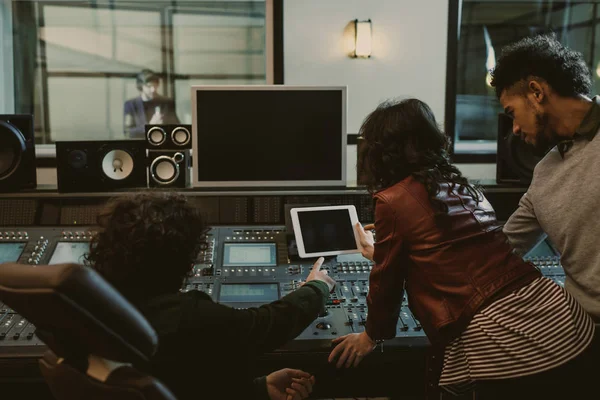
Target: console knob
point(323, 325)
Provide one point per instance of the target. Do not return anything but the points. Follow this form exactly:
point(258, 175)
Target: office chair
point(99, 343)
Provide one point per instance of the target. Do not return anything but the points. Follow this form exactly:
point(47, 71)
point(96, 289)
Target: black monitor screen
point(270, 136)
point(69, 252)
point(326, 230)
point(249, 292)
point(10, 252)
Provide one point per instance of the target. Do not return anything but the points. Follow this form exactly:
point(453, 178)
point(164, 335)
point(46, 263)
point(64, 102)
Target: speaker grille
point(17, 212)
point(80, 214)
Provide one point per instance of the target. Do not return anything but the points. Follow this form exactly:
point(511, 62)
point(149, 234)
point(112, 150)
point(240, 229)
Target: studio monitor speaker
point(169, 168)
point(17, 153)
point(172, 137)
point(515, 159)
point(100, 166)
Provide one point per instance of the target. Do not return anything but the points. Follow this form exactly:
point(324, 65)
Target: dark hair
point(145, 76)
point(542, 56)
point(147, 243)
point(402, 139)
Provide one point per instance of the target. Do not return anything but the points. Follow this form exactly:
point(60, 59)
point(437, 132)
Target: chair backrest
point(99, 342)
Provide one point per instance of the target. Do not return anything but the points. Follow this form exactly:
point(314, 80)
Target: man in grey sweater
point(543, 86)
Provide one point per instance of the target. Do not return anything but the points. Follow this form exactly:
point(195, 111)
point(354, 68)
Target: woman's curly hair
point(402, 139)
point(147, 243)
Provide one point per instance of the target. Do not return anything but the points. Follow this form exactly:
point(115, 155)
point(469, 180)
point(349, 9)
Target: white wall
point(408, 59)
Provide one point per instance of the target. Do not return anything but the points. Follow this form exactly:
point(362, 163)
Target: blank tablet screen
point(326, 230)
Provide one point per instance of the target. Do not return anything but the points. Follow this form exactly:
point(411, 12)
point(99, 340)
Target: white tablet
point(325, 231)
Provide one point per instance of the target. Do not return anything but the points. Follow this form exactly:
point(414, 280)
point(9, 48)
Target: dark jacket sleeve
point(265, 328)
point(132, 130)
point(386, 282)
point(260, 388)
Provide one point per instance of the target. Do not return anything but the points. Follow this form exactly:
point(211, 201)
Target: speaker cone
point(165, 169)
point(180, 136)
point(12, 146)
point(77, 159)
point(117, 164)
point(156, 136)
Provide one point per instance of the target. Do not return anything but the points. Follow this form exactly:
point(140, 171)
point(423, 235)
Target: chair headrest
point(77, 312)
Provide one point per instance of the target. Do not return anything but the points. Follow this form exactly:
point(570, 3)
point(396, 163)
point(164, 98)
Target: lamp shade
point(363, 45)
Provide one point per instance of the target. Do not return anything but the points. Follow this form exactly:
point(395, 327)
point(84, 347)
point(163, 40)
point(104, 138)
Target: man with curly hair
point(146, 246)
point(544, 86)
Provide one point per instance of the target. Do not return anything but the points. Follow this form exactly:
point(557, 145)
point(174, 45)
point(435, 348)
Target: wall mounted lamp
point(363, 44)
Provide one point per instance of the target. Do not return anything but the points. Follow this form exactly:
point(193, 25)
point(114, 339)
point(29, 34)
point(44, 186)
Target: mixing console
point(242, 267)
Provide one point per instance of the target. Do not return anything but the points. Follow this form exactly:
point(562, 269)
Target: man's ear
point(537, 91)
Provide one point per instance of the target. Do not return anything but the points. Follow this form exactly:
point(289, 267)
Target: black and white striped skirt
point(532, 330)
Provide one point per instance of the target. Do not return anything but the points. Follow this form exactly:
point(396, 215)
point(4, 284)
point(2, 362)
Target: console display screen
point(249, 254)
point(543, 249)
point(249, 292)
point(69, 252)
point(10, 252)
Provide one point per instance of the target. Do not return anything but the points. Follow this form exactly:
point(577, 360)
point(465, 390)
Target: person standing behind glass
point(149, 107)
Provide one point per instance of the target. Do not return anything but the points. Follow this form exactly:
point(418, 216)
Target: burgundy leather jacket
point(449, 270)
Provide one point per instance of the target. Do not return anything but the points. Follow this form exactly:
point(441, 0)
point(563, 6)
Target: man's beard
point(543, 141)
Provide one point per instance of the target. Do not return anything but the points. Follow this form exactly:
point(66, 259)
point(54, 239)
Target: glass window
point(487, 26)
point(79, 65)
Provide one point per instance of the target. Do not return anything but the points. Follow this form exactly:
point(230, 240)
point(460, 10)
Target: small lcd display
point(326, 230)
point(69, 252)
point(10, 252)
point(249, 254)
point(249, 292)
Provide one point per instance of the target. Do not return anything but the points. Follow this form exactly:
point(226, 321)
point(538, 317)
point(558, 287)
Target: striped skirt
point(532, 330)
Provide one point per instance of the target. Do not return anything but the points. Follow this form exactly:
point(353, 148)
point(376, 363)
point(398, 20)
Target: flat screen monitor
point(11, 252)
point(269, 136)
point(69, 252)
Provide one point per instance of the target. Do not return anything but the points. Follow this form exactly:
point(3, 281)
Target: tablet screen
point(326, 230)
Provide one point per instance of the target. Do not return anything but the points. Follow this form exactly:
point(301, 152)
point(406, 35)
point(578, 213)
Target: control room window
point(484, 27)
point(76, 62)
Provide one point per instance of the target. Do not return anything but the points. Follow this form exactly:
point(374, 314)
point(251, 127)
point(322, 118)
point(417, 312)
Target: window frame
point(454, 21)
point(46, 153)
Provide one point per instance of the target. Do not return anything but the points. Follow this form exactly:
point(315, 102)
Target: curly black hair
point(402, 139)
point(147, 243)
point(542, 56)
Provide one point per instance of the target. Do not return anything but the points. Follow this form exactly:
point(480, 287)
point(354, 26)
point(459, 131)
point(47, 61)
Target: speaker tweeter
point(171, 137)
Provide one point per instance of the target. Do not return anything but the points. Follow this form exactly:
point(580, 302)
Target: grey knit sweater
point(563, 202)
